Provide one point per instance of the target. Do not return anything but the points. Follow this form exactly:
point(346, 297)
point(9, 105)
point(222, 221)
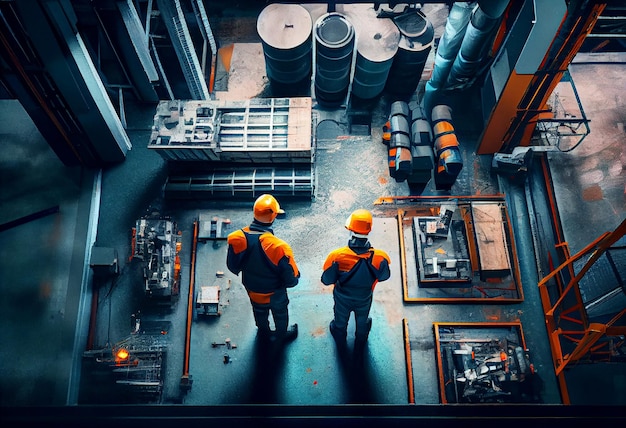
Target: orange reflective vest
point(265, 261)
point(356, 273)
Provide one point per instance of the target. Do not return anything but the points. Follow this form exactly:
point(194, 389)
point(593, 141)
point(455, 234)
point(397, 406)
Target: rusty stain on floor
point(593, 193)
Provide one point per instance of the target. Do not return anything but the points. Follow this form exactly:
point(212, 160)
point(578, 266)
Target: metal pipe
point(475, 44)
point(450, 43)
point(448, 47)
point(186, 380)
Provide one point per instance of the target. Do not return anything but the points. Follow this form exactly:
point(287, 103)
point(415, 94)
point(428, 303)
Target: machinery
point(208, 296)
point(449, 246)
point(156, 244)
point(457, 249)
point(133, 366)
point(485, 363)
point(231, 149)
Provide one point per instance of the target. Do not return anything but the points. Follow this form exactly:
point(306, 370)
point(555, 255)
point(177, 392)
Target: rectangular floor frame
point(477, 325)
point(410, 211)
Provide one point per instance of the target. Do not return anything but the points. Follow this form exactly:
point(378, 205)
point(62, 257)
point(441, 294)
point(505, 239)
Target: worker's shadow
point(269, 362)
point(356, 373)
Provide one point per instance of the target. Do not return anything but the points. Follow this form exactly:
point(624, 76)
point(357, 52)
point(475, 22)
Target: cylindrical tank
point(286, 35)
point(399, 157)
point(413, 49)
point(377, 44)
point(446, 147)
point(334, 47)
point(421, 133)
point(444, 135)
point(449, 165)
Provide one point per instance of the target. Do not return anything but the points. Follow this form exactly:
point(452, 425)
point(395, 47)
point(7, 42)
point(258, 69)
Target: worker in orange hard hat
point(267, 268)
point(355, 270)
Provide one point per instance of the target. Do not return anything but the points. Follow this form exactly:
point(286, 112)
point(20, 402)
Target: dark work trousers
point(278, 305)
point(361, 308)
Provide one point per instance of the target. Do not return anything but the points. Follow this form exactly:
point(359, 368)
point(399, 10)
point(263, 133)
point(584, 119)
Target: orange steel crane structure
point(575, 333)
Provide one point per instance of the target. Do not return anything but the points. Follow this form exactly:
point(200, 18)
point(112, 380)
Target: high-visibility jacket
point(265, 261)
point(356, 268)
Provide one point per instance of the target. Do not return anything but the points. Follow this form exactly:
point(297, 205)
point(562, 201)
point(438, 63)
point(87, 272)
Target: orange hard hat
point(266, 208)
point(360, 222)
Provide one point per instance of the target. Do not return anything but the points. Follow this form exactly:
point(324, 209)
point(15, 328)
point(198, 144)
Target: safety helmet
point(360, 222)
point(266, 209)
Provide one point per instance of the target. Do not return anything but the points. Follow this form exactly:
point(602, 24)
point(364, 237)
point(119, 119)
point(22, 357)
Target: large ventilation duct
point(476, 42)
point(449, 45)
point(451, 41)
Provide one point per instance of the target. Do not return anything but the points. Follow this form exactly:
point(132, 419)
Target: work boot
point(290, 334)
point(359, 352)
point(264, 335)
point(360, 343)
point(339, 337)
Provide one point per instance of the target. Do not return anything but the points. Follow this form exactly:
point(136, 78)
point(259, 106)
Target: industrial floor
point(52, 216)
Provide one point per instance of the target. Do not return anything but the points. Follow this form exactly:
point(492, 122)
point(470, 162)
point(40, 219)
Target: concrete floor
point(352, 173)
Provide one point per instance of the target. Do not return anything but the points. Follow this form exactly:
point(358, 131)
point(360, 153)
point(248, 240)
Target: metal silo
point(334, 47)
point(286, 36)
point(377, 44)
point(416, 41)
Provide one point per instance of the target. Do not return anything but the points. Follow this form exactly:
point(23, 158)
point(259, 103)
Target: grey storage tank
point(286, 35)
point(377, 44)
point(416, 40)
point(334, 49)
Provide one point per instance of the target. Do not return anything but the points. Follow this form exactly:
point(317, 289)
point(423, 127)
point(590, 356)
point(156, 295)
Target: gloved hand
point(331, 275)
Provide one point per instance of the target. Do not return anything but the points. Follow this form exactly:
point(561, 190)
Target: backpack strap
point(254, 244)
point(368, 264)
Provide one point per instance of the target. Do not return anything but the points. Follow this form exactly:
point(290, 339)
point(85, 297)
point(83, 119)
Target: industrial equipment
point(156, 244)
point(104, 262)
point(522, 76)
point(272, 130)
point(446, 146)
point(212, 227)
point(208, 300)
point(134, 366)
point(456, 249)
point(442, 250)
point(485, 363)
point(208, 296)
point(408, 138)
point(231, 149)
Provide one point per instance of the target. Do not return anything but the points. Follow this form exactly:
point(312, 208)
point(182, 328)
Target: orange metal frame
point(580, 333)
point(186, 381)
point(409, 362)
point(525, 97)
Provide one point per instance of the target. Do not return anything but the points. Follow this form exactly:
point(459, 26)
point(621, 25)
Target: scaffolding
point(136, 363)
point(584, 302)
